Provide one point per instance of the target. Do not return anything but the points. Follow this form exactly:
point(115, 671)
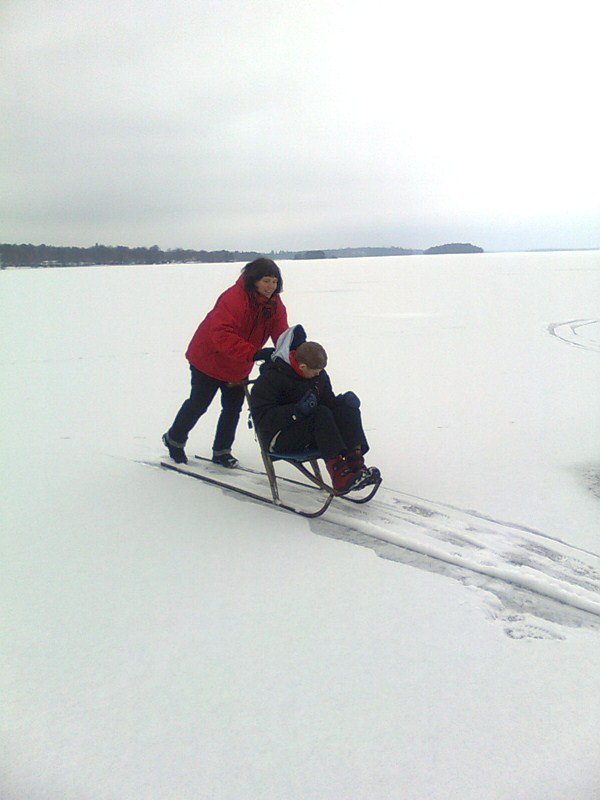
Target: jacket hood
point(287, 342)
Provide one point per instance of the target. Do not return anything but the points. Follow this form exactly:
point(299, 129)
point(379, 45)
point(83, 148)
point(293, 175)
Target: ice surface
point(167, 639)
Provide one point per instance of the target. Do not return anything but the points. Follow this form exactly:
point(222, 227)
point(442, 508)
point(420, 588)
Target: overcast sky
point(268, 124)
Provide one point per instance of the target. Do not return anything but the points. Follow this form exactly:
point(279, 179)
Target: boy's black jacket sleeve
point(269, 411)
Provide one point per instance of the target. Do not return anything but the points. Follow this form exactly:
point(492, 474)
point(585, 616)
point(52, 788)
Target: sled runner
point(299, 460)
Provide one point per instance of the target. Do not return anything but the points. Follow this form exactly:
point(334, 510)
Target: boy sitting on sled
point(295, 410)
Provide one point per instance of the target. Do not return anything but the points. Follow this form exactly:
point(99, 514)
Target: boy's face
point(308, 372)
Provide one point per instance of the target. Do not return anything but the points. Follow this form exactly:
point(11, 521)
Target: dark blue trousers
point(330, 431)
point(204, 389)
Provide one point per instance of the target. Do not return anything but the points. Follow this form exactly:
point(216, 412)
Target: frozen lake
point(165, 639)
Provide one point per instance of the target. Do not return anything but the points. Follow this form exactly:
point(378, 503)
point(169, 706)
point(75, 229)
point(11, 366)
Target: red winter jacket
point(230, 334)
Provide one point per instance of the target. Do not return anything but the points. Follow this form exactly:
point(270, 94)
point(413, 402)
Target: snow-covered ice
point(167, 639)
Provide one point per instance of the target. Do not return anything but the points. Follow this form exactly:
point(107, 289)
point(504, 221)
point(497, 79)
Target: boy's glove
point(349, 399)
point(306, 405)
point(264, 354)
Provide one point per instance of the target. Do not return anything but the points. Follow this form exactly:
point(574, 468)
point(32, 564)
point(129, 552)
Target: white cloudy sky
point(266, 124)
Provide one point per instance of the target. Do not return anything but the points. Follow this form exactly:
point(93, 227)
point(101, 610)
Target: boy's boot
point(175, 449)
point(343, 478)
point(366, 475)
point(355, 460)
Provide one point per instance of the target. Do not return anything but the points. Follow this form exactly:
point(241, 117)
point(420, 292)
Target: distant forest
point(41, 255)
point(31, 255)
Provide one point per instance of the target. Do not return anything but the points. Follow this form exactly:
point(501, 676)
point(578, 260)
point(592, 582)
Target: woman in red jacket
point(222, 352)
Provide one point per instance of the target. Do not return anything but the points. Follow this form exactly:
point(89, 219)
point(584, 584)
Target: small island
point(456, 247)
point(309, 254)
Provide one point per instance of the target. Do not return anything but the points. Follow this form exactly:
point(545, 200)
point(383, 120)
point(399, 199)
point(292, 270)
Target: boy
point(295, 410)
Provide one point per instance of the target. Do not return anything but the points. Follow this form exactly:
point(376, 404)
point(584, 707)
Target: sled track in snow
point(513, 562)
point(532, 573)
point(582, 333)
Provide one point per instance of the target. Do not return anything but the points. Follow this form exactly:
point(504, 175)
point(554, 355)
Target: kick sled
point(306, 462)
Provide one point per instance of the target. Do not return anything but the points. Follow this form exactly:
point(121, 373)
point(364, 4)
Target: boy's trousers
point(204, 389)
point(330, 431)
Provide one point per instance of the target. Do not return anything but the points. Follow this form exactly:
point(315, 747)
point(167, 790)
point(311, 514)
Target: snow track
point(478, 550)
point(582, 333)
point(515, 555)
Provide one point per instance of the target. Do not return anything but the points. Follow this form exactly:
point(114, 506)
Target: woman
point(222, 352)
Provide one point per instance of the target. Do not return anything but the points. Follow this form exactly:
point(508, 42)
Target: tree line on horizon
point(42, 255)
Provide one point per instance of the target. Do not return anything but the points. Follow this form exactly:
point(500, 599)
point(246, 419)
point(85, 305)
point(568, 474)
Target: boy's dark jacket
point(279, 387)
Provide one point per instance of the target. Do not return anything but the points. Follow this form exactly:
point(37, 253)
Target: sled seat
point(301, 460)
point(304, 455)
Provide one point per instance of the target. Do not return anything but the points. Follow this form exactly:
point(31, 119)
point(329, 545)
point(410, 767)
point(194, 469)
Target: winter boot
point(366, 475)
point(175, 449)
point(355, 460)
point(225, 459)
point(343, 479)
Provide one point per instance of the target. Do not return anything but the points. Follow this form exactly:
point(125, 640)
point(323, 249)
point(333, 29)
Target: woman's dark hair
point(258, 269)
